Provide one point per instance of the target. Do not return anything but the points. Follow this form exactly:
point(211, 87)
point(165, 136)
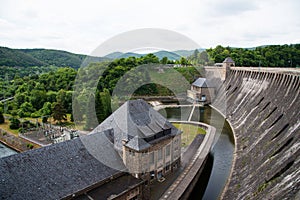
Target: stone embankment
point(262, 106)
point(183, 185)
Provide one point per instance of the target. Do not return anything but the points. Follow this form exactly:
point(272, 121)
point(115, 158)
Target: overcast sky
point(81, 27)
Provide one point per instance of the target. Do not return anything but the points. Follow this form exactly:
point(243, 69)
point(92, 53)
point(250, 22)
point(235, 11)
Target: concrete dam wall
point(263, 108)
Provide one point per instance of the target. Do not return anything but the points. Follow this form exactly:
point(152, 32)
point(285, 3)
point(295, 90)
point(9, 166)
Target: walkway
point(177, 106)
point(181, 184)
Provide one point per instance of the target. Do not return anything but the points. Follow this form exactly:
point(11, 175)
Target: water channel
point(210, 185)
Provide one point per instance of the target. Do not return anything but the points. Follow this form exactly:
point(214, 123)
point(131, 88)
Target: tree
point(14, 123)
point(26, 109)
point(2, 119)
point(58, 112)
point(183, 61)
point(77, 111)
point(106, 101)
point(91, 118)
point(38, 98)
point(100, 112)
point(164, 60)
point(46, 109)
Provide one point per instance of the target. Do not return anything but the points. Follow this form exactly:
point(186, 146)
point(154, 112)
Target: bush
point(29, 146)
point(14, 123)
point(35, 114)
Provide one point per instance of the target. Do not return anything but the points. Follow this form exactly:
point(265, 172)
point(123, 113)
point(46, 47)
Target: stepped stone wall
point(263, 108)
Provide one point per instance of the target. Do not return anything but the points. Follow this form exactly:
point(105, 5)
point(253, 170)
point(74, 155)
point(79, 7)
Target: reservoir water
point(6, 151)
point(217, 169)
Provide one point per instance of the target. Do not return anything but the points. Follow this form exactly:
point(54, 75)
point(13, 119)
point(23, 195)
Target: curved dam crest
point(263, 110)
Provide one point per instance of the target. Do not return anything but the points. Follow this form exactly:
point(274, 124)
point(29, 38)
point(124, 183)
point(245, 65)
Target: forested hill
point(264, 56)
point(40, 57)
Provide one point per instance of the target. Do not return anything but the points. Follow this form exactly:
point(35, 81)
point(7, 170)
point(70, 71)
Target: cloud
point(81, 27)
point(230, 7)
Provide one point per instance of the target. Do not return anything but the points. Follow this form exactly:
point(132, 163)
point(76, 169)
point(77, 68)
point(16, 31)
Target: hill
point(13, 57)
point(176, 55)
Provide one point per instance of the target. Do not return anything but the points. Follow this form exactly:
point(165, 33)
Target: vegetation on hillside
point(42, 57)
point(266, 56)
point(41, 92)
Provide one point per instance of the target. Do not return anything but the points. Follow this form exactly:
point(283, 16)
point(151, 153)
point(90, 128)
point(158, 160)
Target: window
point(152, 175)
point(159, 155)
point(151, 158)
point(168, 150)
point(131, 152)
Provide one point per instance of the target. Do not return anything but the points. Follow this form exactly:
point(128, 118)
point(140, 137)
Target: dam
point(262, 106)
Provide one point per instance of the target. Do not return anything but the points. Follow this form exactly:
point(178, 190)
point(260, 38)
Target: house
point(201, 91)
point(149, 145)
point(228, 62)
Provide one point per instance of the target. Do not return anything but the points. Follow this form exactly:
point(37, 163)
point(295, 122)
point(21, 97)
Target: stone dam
point(263, 108)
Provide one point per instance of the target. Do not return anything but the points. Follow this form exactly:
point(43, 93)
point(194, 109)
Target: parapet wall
point(263, 108)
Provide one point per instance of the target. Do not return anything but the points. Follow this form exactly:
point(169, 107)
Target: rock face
point(264, 111)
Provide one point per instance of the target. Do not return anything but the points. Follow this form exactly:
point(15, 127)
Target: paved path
point(176, 106)
point(191, 114)
point(180, 185)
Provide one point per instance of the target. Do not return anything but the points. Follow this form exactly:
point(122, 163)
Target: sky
point(82, 26)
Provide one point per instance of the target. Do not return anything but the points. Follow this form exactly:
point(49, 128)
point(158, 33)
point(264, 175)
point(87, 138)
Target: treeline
point(37, 95)
point(265, 56)
point(122, 79)
point(56, 94)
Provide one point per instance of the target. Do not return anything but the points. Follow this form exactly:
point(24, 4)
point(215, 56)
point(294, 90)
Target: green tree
point(91, 119)
point(183, 61)
point(58, 112)
point(26, 109)
point(99, 107)
point(46, 109)
point(77, 111)
point(38, 98)
point(14, 123)
point(106, 100)
point(164, 60)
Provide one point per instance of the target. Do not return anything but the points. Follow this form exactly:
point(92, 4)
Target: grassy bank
point(189, 132)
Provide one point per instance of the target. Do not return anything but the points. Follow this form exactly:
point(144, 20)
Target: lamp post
point(291, 62)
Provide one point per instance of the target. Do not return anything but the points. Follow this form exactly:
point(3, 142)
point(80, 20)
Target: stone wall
point(263, 109)
point(138, 163)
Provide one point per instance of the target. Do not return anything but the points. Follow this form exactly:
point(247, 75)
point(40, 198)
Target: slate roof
point(228, 60)
point(58, 170)
point(138, 143)
point(200, 82)
point(115, 187)
point(134, 121)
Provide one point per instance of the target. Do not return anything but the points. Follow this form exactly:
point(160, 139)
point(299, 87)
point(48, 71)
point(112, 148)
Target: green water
point(222, 151)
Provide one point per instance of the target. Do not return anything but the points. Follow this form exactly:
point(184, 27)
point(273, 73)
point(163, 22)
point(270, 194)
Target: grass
point(189, 132)
point(5, 126)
